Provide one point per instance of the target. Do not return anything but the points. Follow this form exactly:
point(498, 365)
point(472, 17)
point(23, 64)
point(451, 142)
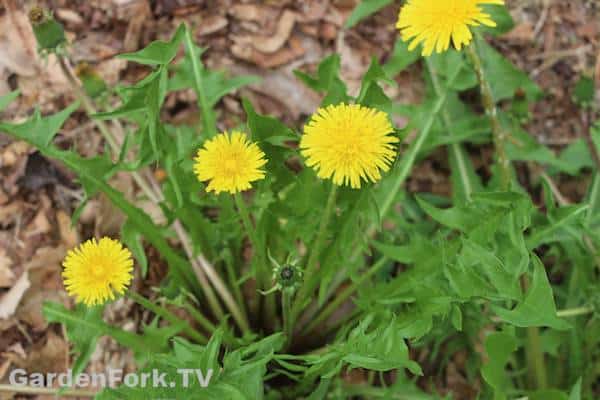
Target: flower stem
point(199, 317)
point(454, 147)
point(286, 308)
point(48, 391)
point(489, 104)
point(262, 270)
point(574, 312)
point(310, 271)
point(344, 295)
point(167, 315)
point(536, 367)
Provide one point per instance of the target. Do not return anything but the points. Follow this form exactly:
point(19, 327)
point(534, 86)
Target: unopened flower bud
point(48, 32)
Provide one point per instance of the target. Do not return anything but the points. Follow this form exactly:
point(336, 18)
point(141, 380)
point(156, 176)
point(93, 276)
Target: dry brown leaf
point(253, 12)
point(68, 233)
point(211, 25)
point(11, 299)
point(522, 33)
point(270, 44)
point(7, 277)
point(16, 44)
point(312, 10)
point(50, 355)
point(137, 12)
point(69, 16)
point(46, 284)
point(284, 56)
point(30, 309)
point(10, 212)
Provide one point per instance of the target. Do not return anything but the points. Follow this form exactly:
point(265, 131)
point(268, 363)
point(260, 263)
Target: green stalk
point(455, 148)
point(311, 273)
point(199, 317)
point(286, 308)
point(536, 367)
point(62, 392)
point(168, 316)
point(574, 312)
point(344, 295)
point(535, 360)
point(489, 104)
point(410, 156)
point(208, 116)
point(262, 271)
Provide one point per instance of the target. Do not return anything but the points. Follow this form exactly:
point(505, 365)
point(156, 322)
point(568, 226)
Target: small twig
point(203, 269)
point(47, 391)
point(543, 17)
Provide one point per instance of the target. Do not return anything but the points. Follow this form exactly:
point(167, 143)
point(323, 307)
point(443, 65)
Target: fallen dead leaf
point(284, 56)
point(253, 12)
point(69, 16)
point(522, 33)
point(11, 299)
point(46, 285)
point(68, 234)
point(211, 25)
point(16, 44)
point(270, 44)
point(7, 277)
point(10, 213)
point(48, 355)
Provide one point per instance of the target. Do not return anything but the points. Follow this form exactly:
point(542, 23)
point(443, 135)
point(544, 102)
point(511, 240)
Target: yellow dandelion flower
point(230, 162)
point(96, 270)
point(437, 22)
point(349, 143)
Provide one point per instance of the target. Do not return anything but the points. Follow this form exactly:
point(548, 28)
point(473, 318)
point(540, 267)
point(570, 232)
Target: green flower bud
point(48, 32)
point(287, 276)
point(93, 84)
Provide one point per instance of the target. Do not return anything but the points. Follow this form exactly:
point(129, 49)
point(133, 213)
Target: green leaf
point(498, 347)
point(8, 98)
point(241, 376)
point(364, 9)
point(400, 59)
point(133, 240)
point(501, 16)
point(576, 391)
point(584, 91)
point(39, 130)
point(216, 83)
point(327, 81)
point(505, 79)
point(537, 308)
point(374, 345)
point(91, 326)
point(548, 394)
point(371, 94)
point(158, 52)
point(271, 135)
point(464, 178)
